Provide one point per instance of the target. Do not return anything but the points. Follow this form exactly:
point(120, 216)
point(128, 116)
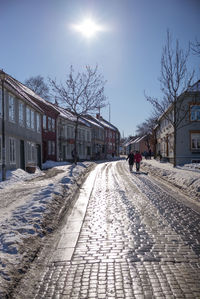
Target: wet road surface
point(126, 237)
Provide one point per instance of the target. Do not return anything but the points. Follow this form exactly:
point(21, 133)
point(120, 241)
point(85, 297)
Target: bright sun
point(88, 28)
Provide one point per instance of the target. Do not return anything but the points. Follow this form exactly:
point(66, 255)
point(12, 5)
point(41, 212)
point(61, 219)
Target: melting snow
point(26, 199)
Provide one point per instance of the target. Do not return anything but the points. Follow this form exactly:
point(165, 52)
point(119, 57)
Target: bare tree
point(147, 126)
point(81, 93)
point(38, 85)
point(175, 80)
point(196, 47)
point(147, 129)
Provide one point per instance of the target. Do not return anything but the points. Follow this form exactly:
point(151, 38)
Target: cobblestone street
point(130, 239)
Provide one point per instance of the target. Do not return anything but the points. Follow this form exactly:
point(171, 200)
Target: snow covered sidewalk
point(30, 206)
point(186, 178)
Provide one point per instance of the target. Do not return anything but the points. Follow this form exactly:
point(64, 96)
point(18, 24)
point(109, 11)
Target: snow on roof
point(130, 141)
point(65, 113)
point(93, 121)
point(26, 92)
point(105, 123)
point(136, 140)
point(69, 115)
point(31, 93)
point(141, 138)
point(18, 88)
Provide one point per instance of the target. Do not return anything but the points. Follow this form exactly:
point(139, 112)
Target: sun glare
point(88, 28)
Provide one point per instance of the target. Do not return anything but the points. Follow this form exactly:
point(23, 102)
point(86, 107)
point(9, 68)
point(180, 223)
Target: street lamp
point(2, 77)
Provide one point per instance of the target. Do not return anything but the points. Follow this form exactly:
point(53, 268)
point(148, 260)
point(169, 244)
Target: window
point(70, 132)
point(28, 117)
point(88, 136)
point(53, 124)
point(12, 150)
point(32, 120)
point(44, 122)
point(21, 113)
point(31, 151)
point(195, 141)
point(195, 112)
point(38, 122)
point(69, 149)
point(11, 108)
point(49, 123)
point(51, 147)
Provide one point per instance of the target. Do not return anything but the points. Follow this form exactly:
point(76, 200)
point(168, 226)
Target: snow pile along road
point(186, 178)
point(31, 206)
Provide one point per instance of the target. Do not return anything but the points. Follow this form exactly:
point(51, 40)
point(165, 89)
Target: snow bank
point(186, 177)
point(31, 206)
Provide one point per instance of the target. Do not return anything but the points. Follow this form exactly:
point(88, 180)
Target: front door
point(22, 156)
point(39, 162)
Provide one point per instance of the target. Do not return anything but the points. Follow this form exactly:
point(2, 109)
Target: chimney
point(98, 115)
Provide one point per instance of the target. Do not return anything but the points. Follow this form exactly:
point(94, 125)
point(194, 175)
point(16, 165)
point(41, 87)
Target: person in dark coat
point(130, 159)
point(149, 153)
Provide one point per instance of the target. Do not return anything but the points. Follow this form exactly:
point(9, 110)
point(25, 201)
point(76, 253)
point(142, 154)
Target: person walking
point(130, 159)
point(138, 159)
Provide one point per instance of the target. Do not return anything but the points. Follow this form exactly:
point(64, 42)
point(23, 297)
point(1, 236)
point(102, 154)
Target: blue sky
point(37, 39)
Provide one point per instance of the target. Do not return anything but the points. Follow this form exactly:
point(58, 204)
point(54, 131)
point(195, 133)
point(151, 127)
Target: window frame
point(28, 117)
point(49, 124)
point(32, 119)
point(44, 122)
point(31, 152)
point(12, 150)
point(38, 122)
point(51, 147)
point(195, 112)
point(11, 108)
point(196, 149)
point(21, 114)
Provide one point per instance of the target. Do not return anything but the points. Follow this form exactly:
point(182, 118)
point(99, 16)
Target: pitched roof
point(70, 115)
point(195, 87)
point(105, 123)
point(93, 121)
point(18, 88)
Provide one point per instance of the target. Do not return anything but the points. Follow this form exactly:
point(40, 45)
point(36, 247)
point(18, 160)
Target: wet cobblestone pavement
point(136, 241)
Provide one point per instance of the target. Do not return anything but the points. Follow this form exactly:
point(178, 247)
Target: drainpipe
point(2, 76)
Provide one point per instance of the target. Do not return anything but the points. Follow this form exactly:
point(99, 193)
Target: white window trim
point(44, 122)
point(12, 143)
point(21, 113)
point(31, 152)
point(194, 148)
point(11, 116)
point(38, 123)
point(195, 112)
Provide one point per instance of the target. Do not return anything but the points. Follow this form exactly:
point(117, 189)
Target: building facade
point(98, 138)
point(22, 127)
point(111, 137)
point(187, 133)
point(66, 136)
